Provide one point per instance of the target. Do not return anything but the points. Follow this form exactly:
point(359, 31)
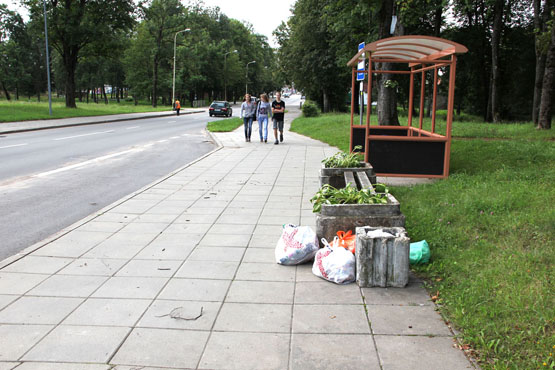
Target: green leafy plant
point(344, 159)
point(310, 109)
point(348, 195)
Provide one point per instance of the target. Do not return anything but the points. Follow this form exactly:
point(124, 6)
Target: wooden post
point(450, 106)
point(422, 92)
point(411, 97)
point(352, 108)
point(434, 101)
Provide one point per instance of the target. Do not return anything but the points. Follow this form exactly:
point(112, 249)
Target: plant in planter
point(344, 160)
point(349, 195)
point(334, 168)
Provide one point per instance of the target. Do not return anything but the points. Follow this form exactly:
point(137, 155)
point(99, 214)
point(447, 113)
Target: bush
point(310, 109)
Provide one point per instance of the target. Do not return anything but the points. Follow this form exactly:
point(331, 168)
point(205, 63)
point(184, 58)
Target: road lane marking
point(92, 133)
point(12, 146)
point(174, 137)
point(129, 128)
point(85, 163)
point(162, 141)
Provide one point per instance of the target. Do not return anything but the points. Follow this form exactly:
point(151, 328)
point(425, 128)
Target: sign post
point(360, 77)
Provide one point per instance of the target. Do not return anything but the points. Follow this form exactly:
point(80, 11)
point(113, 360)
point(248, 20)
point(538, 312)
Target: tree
point(75, 24)
point(541, 17)
point(546, 104)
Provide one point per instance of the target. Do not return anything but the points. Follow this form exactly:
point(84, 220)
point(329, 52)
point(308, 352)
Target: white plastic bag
point(297, 244)
point(335, 264)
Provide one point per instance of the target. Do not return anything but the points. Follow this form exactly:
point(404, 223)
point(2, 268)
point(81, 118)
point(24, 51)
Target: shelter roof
point(410, 49)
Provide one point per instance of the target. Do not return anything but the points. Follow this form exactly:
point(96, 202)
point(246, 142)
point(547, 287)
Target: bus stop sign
point(361, 63)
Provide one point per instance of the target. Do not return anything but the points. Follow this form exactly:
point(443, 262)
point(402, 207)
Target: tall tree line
point(508, 73)
point(130, 47)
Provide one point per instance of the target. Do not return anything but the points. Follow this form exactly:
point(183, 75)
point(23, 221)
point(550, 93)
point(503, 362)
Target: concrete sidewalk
point(182, 276)
point(12, 127)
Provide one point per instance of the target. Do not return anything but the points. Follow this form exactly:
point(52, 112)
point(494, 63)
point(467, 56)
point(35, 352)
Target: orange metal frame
point(414, 134)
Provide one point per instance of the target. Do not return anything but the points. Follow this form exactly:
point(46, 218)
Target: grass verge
point(224, 125)
point(490, 227)
point(15, 111)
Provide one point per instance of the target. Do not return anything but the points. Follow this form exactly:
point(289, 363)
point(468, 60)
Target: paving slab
point(196, 290)
point(330, 319)
point(223, 270)
point(60, 366)
point(175, 314)
point(38, 310)
point(19, 283)
point(131, 287)
point(15, 340)
point(406, 320)
point(68, 286)
point(108, 312)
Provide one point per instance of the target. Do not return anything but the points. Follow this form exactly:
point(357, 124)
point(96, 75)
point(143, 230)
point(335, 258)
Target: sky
point(264, 15)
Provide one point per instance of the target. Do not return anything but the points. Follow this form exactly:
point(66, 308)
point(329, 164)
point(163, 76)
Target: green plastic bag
point(419, 253)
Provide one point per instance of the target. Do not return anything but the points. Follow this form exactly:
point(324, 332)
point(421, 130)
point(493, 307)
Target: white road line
point(92, 133)
point(162, 141)
point(129, 128)
point(12, 146)
point(174, 137)
point(91, 161)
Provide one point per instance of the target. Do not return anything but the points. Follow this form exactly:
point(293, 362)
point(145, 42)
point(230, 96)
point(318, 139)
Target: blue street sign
point(361, 64)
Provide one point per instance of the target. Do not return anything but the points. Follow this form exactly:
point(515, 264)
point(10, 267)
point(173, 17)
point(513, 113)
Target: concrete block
point(382, 261)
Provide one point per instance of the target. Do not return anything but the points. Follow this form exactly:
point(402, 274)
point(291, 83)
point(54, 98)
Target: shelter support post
point(352, 107)
point(368, 111)
point(450, 107)
point(422, 93)
point(411, 96)
point(434, 102)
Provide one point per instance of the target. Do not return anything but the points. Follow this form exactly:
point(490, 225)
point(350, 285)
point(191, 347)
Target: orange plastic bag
point(346, 240)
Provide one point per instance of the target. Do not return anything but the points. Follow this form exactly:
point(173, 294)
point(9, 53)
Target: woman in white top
point(248, 109)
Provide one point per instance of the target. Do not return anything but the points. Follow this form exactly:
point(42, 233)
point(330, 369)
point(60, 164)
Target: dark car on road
point(220, 108)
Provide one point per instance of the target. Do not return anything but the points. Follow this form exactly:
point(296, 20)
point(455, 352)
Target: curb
point(9, 260)
point(93, 122)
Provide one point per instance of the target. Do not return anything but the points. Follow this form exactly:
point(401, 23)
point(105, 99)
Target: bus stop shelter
point(408, 151)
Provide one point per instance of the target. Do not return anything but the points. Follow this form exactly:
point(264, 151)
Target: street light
point(247, 76)
point(174, 42)
point(225, 73)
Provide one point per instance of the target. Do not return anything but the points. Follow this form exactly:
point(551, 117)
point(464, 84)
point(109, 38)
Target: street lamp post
point(47, 60)
point(247, 77)
point(174, 44)
point(225, 73)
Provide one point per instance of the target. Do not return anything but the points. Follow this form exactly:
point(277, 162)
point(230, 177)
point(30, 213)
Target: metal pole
point(47, 60)
point(173, 80)
point(247, 77)
point(225, 73)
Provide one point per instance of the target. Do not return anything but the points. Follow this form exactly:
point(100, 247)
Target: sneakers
point(265, 140)
point(276, 142)
point(261, 140)
point(281, 137)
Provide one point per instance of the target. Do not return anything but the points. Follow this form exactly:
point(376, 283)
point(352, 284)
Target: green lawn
point(491, 228)
point(224, 125)
point(13, 111)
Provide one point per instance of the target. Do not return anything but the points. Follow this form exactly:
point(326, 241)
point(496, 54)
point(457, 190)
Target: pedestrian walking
point(177, 106)
point(263, 111)
point(278, 109)
point(248, 111)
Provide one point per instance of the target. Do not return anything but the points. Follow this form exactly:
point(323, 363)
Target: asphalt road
point(52, 178)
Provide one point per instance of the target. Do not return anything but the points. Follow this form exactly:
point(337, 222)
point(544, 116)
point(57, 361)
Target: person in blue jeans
point(263, 111)
point(248, 110)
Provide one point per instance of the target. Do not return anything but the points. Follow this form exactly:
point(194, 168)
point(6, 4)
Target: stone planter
point(333, 218)
point(335, 176)
point(382, 261)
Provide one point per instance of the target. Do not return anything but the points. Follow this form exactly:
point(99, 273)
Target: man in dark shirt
point(278, 110)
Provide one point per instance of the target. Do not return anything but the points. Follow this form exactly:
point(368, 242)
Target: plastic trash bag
point(345, 239)
point(419, 253)
point(335, 264)
point(297, 244)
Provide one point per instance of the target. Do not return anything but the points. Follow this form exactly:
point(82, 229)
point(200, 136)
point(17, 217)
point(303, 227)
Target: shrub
point(310, 109)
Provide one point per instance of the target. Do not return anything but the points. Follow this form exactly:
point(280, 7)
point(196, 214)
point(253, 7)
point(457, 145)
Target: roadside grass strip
point(490, 227)
point(224, 125)
point(14, 111)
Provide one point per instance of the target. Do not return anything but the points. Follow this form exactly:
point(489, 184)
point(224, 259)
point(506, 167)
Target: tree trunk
point(326, 101)
point(495, 73)
point(155, 82)
point(544, 121)
point(117, 94)
point(88, 91)
point(540, 22)
point(387, 96)
point(70, 64)
point(104, 93)
point(8, 97)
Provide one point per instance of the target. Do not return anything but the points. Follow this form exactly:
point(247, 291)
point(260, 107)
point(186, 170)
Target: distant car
point(220, 108)
point(286, 95)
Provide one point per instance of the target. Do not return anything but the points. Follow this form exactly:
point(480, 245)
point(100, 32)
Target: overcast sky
point(264, 15)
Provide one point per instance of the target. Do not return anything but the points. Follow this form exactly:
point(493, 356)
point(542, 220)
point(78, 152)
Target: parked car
point(220, 108)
